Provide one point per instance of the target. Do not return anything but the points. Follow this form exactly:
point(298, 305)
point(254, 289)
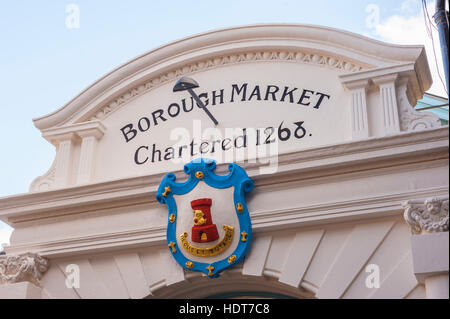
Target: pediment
point(320, 86)
point(321, 46)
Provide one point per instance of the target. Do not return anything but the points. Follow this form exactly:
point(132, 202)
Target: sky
point(51, 50)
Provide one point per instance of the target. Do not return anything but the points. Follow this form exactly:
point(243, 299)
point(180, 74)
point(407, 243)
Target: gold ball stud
point(199, 174)
point(231, 259)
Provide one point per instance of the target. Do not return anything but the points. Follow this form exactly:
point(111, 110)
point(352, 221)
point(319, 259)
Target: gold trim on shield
point(209, 251)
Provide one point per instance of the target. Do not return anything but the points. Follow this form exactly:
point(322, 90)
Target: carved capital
point(24, 267)
point(427, 216)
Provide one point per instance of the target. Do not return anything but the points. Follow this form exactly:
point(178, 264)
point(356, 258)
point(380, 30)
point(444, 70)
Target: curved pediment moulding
point(44, 182)
point(331, 62)
point(318, 58)
point(287, 42)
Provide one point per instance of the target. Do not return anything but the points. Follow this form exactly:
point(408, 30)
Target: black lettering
point(284, 133)
point(214, 144)
point(206, 102)
point(155, 117)
point(322, 95)
point(238, 91)
point(202, 148)
point(224, 146)
point(130, 130)
point(183, 101)
point(243, 137)
point(286, 92)
point(269, 91)
point(180, 150)
point(177, 109)
point(192, 148)
point(154, 151)
point(170, 153)
point(136, 155)
point(271, 130)
point(146, 125)
point(256, 93)
point(304, 96)
point(214, 95)
point(299, 127)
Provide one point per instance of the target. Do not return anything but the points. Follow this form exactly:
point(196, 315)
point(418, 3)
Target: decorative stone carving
point(295, 57)
point(24, 267)
point(427, 216)
point(410, 119)
point(44, 182)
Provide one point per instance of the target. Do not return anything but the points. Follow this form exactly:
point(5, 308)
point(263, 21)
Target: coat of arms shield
point(209, 227)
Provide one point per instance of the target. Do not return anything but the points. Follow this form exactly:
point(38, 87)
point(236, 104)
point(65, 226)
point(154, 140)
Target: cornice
point(79, 130)
point(272, 220)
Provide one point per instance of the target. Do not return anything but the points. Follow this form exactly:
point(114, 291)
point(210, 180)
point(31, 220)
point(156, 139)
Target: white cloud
point(399, 29)
point(5, 234)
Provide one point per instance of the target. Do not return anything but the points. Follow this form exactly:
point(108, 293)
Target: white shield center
point(222, 213)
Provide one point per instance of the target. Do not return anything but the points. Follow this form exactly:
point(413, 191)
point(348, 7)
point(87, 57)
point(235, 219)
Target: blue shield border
point(242, 184)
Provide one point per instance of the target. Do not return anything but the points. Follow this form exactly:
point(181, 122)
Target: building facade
point(350, 195)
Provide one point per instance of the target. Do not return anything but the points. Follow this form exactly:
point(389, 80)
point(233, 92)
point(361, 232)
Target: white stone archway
point(232, 284)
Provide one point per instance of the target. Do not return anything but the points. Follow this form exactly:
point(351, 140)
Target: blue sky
point(44, 64)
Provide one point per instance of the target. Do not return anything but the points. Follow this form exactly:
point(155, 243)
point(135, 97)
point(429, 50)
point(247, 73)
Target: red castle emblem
point(204, 230)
